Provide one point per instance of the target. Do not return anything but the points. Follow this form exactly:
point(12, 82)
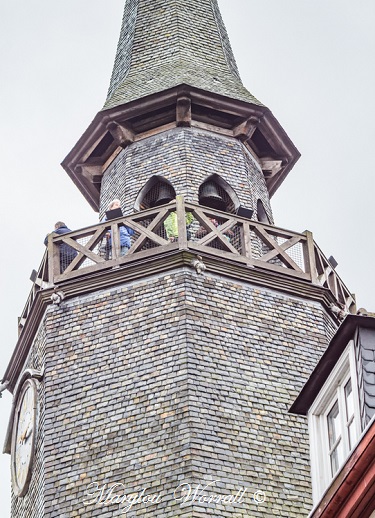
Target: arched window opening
point(261, 213)
point(217, 194)
point(157, 191)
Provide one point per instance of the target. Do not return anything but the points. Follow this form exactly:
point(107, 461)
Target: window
point(334, 422)
point(341, 426)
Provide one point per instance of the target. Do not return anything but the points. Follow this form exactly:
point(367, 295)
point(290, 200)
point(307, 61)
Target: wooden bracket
point(245, 129)
point(122, 134)
point(183, 111)
point(93, 172)
point(270, 166)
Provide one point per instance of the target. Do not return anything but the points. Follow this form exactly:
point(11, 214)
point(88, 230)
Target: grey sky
point(310, 62)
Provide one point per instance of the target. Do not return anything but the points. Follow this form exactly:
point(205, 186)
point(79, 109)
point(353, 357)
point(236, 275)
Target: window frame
point(333, 390)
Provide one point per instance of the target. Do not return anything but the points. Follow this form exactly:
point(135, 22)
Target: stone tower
point(158, 382)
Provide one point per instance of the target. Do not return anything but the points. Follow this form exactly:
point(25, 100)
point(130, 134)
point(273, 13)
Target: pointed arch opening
point(157, 191)
point(217, 194)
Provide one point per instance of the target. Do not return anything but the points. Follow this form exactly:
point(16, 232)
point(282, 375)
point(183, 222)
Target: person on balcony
point(171, 225)
point(125, 232)
point(67, 253)
point(202, 231)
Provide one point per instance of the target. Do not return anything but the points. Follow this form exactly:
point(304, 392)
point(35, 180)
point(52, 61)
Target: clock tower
point(153, 377)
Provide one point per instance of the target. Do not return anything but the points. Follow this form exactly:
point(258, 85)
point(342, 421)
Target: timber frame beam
point(183, 106)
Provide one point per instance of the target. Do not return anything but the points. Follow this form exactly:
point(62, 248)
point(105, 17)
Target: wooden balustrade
point(40, 281)
point(200, 230)
point(327, 277)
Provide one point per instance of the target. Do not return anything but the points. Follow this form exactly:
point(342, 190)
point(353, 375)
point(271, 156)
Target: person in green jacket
point(171, 226)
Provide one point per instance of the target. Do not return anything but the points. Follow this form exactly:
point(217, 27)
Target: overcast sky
point(310, 61)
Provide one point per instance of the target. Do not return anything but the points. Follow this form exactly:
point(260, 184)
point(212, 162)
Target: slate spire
point(165, 43)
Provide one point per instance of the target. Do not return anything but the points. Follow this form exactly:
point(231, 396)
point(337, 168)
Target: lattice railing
point(185, 226)
point(40, 281)
point(327, 277)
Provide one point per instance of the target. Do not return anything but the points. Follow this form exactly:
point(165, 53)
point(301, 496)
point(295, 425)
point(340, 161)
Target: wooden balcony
point(236, 244)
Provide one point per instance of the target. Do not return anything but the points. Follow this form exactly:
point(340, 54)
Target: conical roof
point(165, 43)
point(174, 67)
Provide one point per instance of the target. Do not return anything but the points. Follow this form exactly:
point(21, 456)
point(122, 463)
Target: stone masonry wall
point(186, 157)
point(174, 380)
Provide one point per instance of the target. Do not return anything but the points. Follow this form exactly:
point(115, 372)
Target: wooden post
point(53, 259)
point(309, 257)
point(44, 267)
point(246, 242)
point(181, 223)
point(115, 241)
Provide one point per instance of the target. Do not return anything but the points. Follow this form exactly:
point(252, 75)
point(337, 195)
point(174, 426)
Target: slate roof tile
point(165, 43)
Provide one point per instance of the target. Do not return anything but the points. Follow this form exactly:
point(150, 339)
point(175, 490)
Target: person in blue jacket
point(67, 253)
point(125, 232)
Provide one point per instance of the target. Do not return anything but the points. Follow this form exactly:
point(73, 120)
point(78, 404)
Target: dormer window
point(334, 422)
point(339, 400)
point(341, 426)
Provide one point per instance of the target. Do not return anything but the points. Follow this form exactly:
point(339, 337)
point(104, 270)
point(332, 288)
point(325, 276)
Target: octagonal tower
point(166, 373)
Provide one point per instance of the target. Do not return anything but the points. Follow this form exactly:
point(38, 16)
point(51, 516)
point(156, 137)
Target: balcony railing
point(184, 226)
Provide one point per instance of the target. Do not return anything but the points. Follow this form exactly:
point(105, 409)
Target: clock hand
point(28, 432)
point(25, 435)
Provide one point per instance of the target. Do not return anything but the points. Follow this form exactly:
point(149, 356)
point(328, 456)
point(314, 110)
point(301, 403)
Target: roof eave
point(327, 362)
point(85, 169)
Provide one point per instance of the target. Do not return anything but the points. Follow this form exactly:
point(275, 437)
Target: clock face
point(23, 440)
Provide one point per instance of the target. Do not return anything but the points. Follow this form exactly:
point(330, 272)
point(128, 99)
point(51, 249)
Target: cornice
point(156, 265)
point(117, 128)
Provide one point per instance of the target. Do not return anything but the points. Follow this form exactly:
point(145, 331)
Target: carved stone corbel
point(198, 264)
